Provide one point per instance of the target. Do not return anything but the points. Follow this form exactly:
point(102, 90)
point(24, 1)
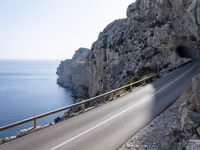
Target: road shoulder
point(159, 133)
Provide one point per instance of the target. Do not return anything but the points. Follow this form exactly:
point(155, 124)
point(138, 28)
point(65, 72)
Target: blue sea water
point(29, 88)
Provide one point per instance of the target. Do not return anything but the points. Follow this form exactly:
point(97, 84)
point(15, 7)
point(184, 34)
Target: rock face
point(155, 34)
point(193, 145)
point(190, 111)
point(73, 73)
point(190, 115)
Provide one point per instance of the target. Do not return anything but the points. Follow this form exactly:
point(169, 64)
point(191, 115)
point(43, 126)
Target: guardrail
point(82, 104)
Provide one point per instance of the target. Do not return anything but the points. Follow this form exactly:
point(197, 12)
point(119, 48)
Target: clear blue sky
point(53, 29)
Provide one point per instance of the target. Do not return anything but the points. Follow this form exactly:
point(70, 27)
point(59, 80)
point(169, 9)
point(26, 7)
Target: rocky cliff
point(155, 34)
point(190, 116)
point(73, 73)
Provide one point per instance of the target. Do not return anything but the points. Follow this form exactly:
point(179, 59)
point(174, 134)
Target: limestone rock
point(156, 33)
point(189, 120)
point(193, 145)
point(23, 132)
point(190, 114)
point(196, 92)
point(73, 73)
point(198, 131)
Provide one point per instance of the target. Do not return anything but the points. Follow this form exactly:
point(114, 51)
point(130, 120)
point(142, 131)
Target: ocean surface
point(29, 88)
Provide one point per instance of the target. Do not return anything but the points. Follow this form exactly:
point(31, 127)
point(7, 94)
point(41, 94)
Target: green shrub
point(108, 97)
point(176, 132)
point(1, 141)
point(143, 73)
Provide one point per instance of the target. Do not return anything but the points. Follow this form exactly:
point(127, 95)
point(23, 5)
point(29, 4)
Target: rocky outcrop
point(155, 34)
point(73, 73)
point(190, 115)
point(193, 145)
point(190, 110)
point(177, 128)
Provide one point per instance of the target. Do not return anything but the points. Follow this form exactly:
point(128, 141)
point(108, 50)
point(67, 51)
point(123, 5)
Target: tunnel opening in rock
point(185, 52)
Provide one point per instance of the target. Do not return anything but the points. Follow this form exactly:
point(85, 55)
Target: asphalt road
point(109, 126)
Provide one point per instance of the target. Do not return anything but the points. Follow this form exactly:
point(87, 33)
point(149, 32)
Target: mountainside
point(156, 34)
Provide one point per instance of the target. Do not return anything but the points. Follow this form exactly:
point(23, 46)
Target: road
point(109, 126)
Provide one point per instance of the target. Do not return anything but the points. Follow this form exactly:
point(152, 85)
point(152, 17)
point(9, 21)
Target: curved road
point(109, 126)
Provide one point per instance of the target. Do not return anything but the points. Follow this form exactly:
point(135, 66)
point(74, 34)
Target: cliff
point(73, 73)
point(155, 34)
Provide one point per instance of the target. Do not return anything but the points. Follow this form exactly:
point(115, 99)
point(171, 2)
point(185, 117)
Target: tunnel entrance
point(185, 52)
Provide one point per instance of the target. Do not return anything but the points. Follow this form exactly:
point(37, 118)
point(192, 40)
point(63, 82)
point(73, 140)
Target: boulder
point(57, 119)
point(193, 145)
point(198, 131)
point(189, 120)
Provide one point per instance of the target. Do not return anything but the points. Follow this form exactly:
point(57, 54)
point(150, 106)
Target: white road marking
point(119, 114)
point(167, 74)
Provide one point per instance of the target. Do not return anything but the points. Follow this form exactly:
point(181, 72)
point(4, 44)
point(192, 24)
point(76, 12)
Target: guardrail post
point(112, 96)
point(34, 123)
point(131, 88)
point(144, 82)
point(154, 77)
point(83, 107)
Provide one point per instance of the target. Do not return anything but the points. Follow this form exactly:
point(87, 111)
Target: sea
point(29, 88)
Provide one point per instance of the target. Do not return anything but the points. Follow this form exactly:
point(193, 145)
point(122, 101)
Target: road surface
point(109, 126)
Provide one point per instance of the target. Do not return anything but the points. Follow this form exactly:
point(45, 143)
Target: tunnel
point(185, 52)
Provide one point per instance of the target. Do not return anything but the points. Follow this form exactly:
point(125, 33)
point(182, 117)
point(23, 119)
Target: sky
point(53, 29)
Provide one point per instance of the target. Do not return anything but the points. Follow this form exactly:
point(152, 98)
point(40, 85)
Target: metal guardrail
point(82, 104)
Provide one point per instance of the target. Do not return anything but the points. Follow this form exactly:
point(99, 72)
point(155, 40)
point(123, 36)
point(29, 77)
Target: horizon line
point(32, 59)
